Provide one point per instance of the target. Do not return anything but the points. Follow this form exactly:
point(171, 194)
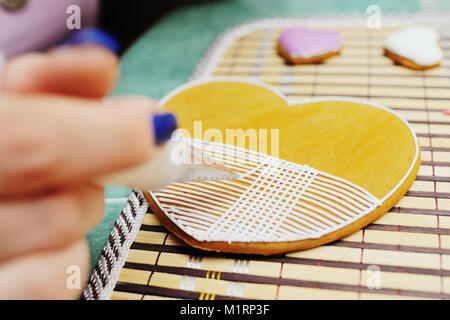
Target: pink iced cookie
point(301, 45)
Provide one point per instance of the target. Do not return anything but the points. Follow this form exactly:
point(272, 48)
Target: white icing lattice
point(274, 200)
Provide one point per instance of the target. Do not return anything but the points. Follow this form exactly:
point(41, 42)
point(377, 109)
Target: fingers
point(58, 274)
point(88, 71)
point(49, 140)
point(50, 221)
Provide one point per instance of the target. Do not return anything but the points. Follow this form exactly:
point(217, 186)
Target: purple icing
point(306, 43)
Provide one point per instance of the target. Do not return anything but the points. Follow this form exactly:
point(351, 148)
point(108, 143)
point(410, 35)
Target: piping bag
point(178, 161)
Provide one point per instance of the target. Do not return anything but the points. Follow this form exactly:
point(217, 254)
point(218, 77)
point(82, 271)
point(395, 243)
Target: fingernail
point(447, 112)
point(164, 125)
point(93, 36)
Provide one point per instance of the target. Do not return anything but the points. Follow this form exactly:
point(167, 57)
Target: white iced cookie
point(414, 47)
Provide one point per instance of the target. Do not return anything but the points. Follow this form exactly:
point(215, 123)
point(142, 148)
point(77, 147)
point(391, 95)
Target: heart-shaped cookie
point(302, 45)
point(414, 47)
point(341, 164)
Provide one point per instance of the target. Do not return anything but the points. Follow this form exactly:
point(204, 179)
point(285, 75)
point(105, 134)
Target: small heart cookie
point(339, 165)
point(302, 45)
point(414, 47)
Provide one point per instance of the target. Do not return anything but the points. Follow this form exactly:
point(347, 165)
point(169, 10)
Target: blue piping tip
point(93, 36)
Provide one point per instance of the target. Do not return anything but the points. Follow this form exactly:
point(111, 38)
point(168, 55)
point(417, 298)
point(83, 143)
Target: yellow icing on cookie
point(368, 146)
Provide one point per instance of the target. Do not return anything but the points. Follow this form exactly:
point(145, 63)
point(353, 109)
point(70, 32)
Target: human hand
point(57, 135)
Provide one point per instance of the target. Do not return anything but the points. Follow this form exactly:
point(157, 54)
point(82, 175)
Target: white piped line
point(277, 200)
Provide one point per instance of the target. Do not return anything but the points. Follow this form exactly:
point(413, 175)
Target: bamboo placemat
point(406, 252)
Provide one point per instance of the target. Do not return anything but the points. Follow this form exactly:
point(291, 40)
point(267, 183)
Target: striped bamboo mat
point(405, 254)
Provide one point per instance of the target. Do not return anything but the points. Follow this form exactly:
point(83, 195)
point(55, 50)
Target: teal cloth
point(165, 56)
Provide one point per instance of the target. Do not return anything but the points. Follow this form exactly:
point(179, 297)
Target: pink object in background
point(40, 24)
point(447, 112)
point(306, 43)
